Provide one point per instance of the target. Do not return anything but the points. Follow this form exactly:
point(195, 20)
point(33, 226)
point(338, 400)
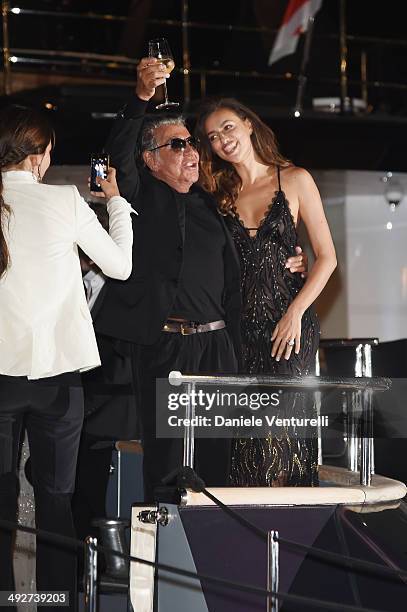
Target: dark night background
point(374, 140)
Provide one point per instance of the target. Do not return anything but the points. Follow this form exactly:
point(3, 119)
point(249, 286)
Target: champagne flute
point(160, 49)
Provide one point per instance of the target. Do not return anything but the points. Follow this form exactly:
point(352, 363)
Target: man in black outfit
point(181, 306)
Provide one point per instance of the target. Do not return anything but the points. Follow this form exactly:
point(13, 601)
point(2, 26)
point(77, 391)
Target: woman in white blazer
point(46, 332)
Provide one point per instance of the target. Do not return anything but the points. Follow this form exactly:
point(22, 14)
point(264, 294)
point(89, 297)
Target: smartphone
point(99, 166)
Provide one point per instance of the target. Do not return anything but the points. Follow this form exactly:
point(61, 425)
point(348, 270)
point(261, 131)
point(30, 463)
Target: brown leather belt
point(191, 327)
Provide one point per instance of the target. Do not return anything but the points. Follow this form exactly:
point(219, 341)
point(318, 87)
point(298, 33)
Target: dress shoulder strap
point(278, 177)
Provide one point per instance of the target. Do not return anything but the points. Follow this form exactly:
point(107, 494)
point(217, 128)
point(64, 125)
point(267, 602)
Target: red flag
point(295, 22)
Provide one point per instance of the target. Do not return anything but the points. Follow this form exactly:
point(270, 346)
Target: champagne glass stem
point(165, 93)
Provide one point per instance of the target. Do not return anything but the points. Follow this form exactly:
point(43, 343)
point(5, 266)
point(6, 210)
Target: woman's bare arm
point(311, 211)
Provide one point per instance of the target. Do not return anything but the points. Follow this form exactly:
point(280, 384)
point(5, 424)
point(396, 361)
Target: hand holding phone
point(99, 168)
point(108, 187)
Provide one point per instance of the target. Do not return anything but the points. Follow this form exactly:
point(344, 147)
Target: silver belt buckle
point(183, 328)
point(191, 327)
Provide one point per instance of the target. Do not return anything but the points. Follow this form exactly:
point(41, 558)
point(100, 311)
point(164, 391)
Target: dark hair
point(23, 132)
point(219, 176)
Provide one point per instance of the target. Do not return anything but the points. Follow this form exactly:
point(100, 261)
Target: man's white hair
point(148, 140)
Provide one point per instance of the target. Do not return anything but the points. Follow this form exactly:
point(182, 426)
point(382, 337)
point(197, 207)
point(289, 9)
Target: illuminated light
point(49, 106)
point(185, 71)
point(297, 113)
point(16, 10)
point(288, 75)
point(13, 59)
point(389, 226)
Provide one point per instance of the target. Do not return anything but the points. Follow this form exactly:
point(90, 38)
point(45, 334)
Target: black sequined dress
point(284, 459)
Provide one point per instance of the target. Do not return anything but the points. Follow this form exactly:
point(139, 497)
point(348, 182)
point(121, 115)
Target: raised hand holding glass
point(160, 49)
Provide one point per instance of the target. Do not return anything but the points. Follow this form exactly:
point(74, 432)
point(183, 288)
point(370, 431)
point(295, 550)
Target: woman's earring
point(39, 177)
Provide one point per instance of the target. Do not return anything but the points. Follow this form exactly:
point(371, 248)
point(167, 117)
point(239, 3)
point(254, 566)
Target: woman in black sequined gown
point(242, 166)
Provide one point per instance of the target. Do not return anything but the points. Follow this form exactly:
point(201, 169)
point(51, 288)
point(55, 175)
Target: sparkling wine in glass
point(160, 49)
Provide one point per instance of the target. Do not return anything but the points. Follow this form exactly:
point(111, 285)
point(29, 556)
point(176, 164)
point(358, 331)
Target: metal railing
point(360, 408)
point(121, 68)
point(91, 549)
point(362, 367)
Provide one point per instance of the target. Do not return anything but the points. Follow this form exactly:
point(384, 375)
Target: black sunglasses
point(179, 144)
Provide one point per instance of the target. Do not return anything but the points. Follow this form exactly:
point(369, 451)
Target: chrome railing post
point(368, 372)
point(273, 567)
point(189, 441)
point(354, 415)
point(318, 404)
point(119, 482)
point(366, 454)
point(91, 570)
point(353, 412)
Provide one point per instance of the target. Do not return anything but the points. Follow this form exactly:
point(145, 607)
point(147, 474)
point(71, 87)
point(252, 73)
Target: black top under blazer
point(136, 309)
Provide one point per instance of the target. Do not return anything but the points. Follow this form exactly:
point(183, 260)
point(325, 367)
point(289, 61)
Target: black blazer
point(137, 308)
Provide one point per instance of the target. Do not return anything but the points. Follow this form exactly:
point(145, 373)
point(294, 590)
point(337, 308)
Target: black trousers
point(92, 479)
point(52, 411)
point(210, 352)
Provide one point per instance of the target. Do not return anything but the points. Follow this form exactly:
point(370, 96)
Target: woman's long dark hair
point(23, 132)
point(219, 176)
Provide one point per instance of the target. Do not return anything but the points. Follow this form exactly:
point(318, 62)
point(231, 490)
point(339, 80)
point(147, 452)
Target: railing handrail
point(117, 62)
point(307, 382)
point(121, 59)
point(68, 14)
point(203, 72)
point(342, 342)
point(201, 25)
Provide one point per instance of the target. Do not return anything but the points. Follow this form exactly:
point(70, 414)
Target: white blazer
point(45, 325)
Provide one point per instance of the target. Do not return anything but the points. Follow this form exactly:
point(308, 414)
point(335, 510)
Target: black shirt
point(200, 291)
